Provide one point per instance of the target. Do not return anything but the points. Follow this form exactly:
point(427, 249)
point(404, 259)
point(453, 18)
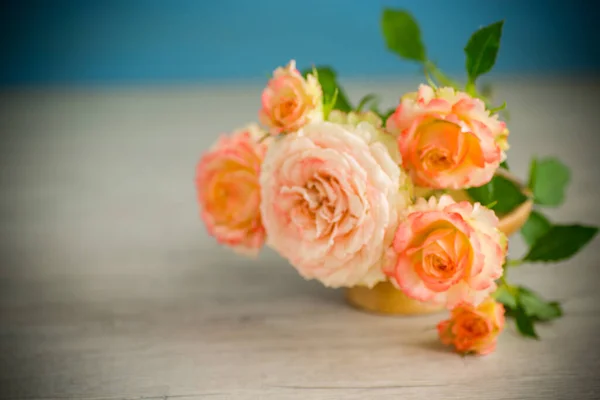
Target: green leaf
point(560, 242)
point(505, 192)
point(525, 323)
point(371, 98)
point(482, 49)
point(548, 179)
point(504, 165)
point(402, 34)
point(536, 307)
point(327, 79)
point(536, 226)
point(505, 296)
point(483, 194)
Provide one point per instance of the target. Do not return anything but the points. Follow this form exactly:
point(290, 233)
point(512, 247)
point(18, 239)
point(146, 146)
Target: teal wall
point(153, 41)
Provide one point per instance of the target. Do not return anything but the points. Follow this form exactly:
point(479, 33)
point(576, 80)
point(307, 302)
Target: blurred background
point(133, 42)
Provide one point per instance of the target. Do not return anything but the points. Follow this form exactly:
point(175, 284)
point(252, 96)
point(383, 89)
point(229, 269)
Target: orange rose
point(448, 140)
point(473, 329)
point(289, 101)
point(446, 252)
point(229, 192)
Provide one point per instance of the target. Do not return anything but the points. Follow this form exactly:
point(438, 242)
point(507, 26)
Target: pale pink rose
point(473, 329)
point(228, 189)
point(289, 101)
point(446, 252)
point(448, 140)
point(331, 198)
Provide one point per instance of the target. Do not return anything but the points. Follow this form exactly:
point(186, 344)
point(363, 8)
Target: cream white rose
point(331, 199)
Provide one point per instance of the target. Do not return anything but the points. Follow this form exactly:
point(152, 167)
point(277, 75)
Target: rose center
point(437, 160)
point(320, 191)
point(287, 107)
point(438, 147)
point(475, 327)
point(439, 266)
point(224, 201)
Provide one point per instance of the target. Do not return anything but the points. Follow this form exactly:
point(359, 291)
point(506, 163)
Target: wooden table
point(111, 288)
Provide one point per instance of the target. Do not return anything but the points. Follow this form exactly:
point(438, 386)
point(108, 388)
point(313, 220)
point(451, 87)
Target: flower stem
point(513, 263)
point(262, 139)
point(428, 78)
point(471, 89)
point(432, 69)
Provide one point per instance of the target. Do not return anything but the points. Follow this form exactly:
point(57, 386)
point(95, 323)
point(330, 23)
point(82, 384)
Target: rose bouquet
point(408, 209)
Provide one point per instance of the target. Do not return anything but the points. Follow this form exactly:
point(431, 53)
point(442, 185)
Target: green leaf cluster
point(402, 36)
point(547, 242)
point(527, 308)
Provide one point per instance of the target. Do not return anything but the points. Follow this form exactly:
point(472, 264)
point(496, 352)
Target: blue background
point(158, 41)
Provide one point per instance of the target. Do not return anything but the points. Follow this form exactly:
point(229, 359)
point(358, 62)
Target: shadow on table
point(231, 278)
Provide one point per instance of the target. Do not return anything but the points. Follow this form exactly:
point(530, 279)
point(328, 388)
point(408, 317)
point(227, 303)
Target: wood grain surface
point(110, 288)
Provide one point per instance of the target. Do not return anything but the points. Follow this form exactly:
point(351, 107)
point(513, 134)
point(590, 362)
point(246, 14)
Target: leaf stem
point(432, 69)
point(471, 89)
point(364, 101)
point(262, 139)
point(428, 78)
point(495, 110)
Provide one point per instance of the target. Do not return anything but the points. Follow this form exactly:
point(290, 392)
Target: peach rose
point(448, 139)
point(228, 189)
point(332, 195)
point(446, 252)
point(289, 101)
point(473, 329)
